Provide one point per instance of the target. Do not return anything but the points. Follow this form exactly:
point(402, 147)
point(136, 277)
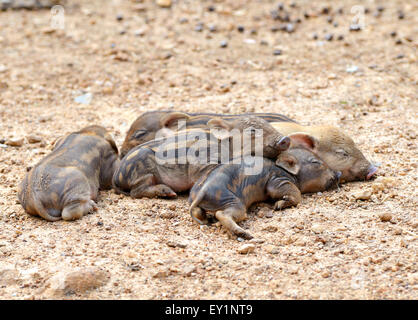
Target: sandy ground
point(331, 247)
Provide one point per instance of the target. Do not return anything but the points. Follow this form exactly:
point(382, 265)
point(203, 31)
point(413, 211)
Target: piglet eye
point(315, 161)
point(342, 153)
point(138, 134)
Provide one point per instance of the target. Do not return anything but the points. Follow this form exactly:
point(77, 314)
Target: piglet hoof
point(201, 222)
point(244, 235)
point(279, 205)
point(94, 206)
point(282, 204)
point(199, 216)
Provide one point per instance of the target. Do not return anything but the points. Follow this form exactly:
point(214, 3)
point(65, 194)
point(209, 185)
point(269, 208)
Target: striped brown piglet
point(230, 189)
point(65, 184)
point(148, 124)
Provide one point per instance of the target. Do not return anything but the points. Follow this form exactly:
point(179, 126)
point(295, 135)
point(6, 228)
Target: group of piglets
point(168, 152)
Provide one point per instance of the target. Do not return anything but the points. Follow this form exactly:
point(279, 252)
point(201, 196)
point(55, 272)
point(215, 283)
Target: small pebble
point(246, 248)
point(250, 41)
point(318, 228)
point(224, 44)
point(240, 29)
point(401, 15)
point(189, 270)
point(290, 28)
point(84, 99)
point(119, 17)
point(329, 37)
point(33, 139)
point(269, 214)
point(277, 52)
point(352, 69)
point(362, 195)
point(275, 15)
point(275, 28)
point(340, 37)
point(164, 3)
point(393, 34)
point(385, 217)
point(212, 28)
point(211, 8)
point(377, 14)
point(272, 249)
point(175, 244)
point(139, 32)
point(14, 142)
point(355, 27)
point(199, 27)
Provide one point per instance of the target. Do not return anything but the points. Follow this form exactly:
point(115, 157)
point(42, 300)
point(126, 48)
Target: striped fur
point(66, 182)
point(145, 127)
point(228, 191)
point(142, 173)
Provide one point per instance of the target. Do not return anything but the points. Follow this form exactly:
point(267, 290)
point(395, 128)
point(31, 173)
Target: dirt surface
point(134, 56)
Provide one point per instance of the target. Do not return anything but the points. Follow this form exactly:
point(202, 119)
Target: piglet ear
point(108, 137)
point(302, 139)
point(288, 163)
point(58, 142)
point(218, 123)
point(171, 118)
point(220, 128)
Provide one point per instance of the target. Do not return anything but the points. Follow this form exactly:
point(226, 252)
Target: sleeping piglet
point(229, 191)
point(65, 184)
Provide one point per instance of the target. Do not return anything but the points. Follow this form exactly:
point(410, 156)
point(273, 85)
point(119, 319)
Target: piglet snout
point(283, 144)
point(338, 175)
point(371, 172)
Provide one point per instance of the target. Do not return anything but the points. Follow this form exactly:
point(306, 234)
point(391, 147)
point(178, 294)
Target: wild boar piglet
point(334, 147)
point(65, 184)
point(148, 124)
point(229, 191)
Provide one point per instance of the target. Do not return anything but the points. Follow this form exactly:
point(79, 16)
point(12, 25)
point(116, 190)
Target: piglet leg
point(146, 187)
point(76, 210)
point(229, 218)
point(288, 194)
